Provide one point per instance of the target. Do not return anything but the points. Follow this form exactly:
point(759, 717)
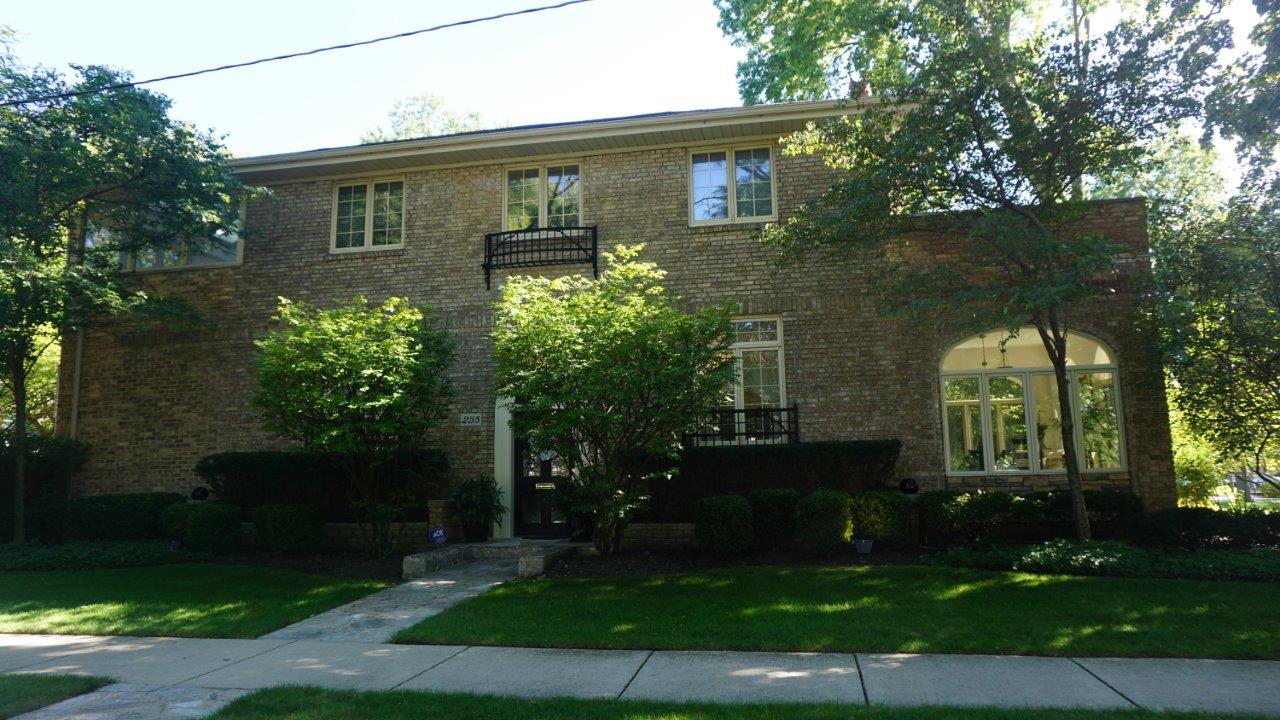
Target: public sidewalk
point(168, 677)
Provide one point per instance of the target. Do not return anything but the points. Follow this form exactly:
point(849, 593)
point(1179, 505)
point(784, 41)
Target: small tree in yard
point(608, 374)
point(364, 384)
point(71, 159)
point(995, 118)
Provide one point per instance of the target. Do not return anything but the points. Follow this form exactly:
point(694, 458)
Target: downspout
point(73, 421)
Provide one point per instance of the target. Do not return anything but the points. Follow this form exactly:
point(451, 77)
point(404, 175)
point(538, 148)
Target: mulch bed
point(678, 561)
point(344, 565)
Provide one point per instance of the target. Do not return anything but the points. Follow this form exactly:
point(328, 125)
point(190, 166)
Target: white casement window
point(757, 359)
point(731, 185)
point(223, 250)
point(542, 197)
point(1001, 412)
point(368, 215)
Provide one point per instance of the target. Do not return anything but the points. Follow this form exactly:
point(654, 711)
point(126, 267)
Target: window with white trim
point(223, 249)
point(543, 196)
point(1001, 411)
point(368, 215)
point(757, 356)
point(731, 185)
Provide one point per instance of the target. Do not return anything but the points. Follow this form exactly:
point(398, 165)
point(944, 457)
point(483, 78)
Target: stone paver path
point(166, 678)
point(377, 617)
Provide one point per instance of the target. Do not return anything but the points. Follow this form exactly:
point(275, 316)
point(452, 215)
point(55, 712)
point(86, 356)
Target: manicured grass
point(232, 601)
point(871, 609)
point(24, 693)
point(297, 703)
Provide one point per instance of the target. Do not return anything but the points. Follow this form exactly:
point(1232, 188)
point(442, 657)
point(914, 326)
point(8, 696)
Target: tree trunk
point(18, 376)
point(1054, 338)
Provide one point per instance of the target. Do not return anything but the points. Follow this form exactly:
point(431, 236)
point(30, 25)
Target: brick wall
point(152, 402)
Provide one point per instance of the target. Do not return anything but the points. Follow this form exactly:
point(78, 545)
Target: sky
point(604, 58)
point(600, 59)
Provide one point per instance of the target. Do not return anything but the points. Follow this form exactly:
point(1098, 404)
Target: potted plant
point(477, 505)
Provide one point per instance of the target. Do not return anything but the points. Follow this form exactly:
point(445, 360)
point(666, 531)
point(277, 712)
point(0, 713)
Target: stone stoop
point(533, 557)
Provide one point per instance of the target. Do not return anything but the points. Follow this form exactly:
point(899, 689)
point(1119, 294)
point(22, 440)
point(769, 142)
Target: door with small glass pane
point(536, 513)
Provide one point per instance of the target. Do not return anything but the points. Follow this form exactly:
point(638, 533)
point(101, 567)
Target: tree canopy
point(423, 115)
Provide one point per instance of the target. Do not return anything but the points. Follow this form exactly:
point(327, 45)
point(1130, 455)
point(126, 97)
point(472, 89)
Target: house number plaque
point(469, 420)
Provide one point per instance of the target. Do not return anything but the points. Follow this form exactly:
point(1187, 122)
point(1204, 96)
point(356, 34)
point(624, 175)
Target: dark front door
point(536, 513)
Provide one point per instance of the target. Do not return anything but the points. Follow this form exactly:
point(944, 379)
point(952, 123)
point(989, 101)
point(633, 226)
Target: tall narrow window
point(548, 196)
point(368, 215)
point(1003, 413)
point(729, 185)
point(759, 394)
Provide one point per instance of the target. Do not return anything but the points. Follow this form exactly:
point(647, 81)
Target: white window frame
point(1029, 408)
point(368, 183)
point(730, 181)
point(779, 345)
point(129, 259)
point(542, 191)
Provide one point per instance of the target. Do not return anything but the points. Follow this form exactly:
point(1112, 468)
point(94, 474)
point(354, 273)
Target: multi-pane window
point(1002, 411)
point(731, 185)
point(547, 196)
point(757, 350)
point(368, 215)
point(224, 248)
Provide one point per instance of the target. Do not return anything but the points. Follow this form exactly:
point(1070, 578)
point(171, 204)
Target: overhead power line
point(288, 56)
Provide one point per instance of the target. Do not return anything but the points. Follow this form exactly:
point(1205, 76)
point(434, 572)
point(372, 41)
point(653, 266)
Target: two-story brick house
point(444, 220)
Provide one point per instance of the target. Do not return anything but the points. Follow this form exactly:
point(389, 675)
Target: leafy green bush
point(722, 525)
point(270, 477)
point(51, 461)
point(126, 516)
point(1117, 559)
point(174, 520)
point(1200, 528)
point(212, 527)
point(476, 504)
point(773, 517)
point(289, 529)
point(89, 555)
point(953, 517)
point(823, 522)
point(883, 516)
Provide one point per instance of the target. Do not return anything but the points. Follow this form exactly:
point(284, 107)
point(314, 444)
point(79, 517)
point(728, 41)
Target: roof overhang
point(514, 144)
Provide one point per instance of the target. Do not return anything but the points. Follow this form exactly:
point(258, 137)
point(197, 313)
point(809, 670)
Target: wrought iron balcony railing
point(534, 247)
point(747, 426)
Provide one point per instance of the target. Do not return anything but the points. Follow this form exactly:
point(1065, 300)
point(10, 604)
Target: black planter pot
point(476, 533)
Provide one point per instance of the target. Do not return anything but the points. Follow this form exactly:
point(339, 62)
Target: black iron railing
point(533, 247)
point(747, 426)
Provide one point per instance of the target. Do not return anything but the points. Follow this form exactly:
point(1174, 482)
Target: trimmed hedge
point(250, 480)
point(211, 527)
point(51, 461)
point(1205, 528)
point(124, 516)
point(722, 525)
point(89, 555)
point(823, 522)
point(1117, 559)
point(951, 517)
point(846, 466)
point(289, 529)
point(773, 517)
point(883, 516)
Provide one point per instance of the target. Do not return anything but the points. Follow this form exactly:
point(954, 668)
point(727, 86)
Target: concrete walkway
point(377, 617)
point(185, 678)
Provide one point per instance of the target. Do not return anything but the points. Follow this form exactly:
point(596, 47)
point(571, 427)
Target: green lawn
point(871, 609)
point(233, 601)
point(24, 693)
point(298, 703)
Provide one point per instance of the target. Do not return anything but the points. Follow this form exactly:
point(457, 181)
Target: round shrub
point(773, 517)
point(1202, 528)
point(174, 520)
point(823, 522)
point(289, 529)
point(123, 516)
point(212, 527)
point(722, 524)
point(882, 516)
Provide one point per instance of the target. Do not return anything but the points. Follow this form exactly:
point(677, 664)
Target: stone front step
point(533, 557)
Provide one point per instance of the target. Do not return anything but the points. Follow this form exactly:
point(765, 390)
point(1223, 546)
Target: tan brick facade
point(150, 403)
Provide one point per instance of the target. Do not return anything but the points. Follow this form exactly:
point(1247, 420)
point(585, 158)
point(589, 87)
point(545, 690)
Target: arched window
point(1001, 412)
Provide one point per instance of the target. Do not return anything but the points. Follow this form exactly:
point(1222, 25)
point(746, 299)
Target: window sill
point(181, 268)
point(752, 224)
point(390, 250)
point(1123, 472)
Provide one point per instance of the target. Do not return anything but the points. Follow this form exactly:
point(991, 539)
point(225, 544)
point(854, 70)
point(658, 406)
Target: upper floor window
point(368, 215)
point(546, 196)
point(1001, 410)
point(225, 248)
point(730, 185)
